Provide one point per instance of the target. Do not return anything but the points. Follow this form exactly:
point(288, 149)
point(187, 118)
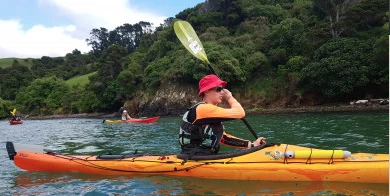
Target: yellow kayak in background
point(139, 120)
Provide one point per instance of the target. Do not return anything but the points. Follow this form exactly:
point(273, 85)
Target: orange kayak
point(139, 120)
point(274, 162)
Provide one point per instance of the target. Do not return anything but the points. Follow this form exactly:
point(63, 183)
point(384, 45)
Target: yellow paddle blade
point(190, 40)
point(13, 112)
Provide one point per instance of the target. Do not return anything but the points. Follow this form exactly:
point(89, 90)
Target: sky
point(36, 28)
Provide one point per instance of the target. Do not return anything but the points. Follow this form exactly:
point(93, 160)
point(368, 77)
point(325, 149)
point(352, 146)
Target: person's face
point(214, 95)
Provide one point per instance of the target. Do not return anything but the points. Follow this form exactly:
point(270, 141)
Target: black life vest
point(204, 138)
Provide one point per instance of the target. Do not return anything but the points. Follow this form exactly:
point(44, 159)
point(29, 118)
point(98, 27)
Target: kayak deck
point(268, 163)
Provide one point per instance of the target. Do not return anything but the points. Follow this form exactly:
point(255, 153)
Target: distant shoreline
point(319, 109)
point(303, 109)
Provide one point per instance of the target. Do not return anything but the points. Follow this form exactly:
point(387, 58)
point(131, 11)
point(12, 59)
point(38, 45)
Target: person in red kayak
point(125, 116)
point(15, 116)
point(202, 130)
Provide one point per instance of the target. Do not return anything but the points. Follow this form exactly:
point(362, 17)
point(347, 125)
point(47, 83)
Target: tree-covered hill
point(284, 53)
point(8, 62)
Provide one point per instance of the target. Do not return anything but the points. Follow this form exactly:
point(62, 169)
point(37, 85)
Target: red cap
point(209, 82)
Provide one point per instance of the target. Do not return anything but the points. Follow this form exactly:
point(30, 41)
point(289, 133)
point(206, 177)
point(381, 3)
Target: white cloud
point(41, 40)
point(89, 14)
point(37, 41)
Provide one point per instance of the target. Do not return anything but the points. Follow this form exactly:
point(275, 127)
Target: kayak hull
point(137, 120)
point(265, 164)
point(15, 122)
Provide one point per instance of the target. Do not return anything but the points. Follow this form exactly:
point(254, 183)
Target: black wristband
point(252, 145)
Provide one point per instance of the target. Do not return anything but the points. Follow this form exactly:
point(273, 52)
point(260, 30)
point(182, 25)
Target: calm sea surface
point(355, 132)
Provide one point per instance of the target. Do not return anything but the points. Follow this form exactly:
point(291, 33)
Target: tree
point(274, 13)
point(224, 63)
point(256, 64)
point(368, 14)
point(379, 71)
point(5, 107)
point(82, 100)
point(230, 10)
point(43, 96)
point(75, 64)
point(287, 39)
point(126, 35)
point(98, 40)
point(214, 34)
point(154, 71)
point(302, 10)
point(111, 62)
point(104, 84)
point(335, 10)
point(130, 79)
point(15, 62)
point(289, 34)
point(129, 36)
point(48, 66)
point(13, 79)
point(339, 67)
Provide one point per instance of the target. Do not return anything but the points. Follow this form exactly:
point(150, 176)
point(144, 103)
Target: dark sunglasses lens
point(219, 89)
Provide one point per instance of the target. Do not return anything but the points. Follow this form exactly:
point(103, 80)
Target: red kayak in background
point(15, 122)
point(139, 120)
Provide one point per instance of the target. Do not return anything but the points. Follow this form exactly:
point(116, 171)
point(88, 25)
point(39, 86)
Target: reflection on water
point(356, 132)
point(58, 184)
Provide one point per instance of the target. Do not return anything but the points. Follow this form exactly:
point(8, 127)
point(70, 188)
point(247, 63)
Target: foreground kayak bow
point(274, 162)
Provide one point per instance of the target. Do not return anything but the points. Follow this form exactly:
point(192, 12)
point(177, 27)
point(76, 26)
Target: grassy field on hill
point(81, 80)
point(7, 62)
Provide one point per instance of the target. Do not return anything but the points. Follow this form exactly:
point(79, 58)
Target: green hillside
point(81, 80)
point(279, 53)
point(7, 62)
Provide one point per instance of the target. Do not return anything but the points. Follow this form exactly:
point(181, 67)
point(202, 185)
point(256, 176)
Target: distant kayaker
point(202, 131)
point(125, 116)
point(14, 116)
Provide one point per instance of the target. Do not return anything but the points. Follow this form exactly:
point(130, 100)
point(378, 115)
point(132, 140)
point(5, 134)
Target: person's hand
point(226, 94)
point(259, 141)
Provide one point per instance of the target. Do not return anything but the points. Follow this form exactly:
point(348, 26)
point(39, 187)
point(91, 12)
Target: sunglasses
point(218, 89)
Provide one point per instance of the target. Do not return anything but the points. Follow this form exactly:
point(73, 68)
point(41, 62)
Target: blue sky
point(36, 28)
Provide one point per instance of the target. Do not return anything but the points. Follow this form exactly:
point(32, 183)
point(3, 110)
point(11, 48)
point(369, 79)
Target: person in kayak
point(14, 116)
point(202, 130)
point(125, 116)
